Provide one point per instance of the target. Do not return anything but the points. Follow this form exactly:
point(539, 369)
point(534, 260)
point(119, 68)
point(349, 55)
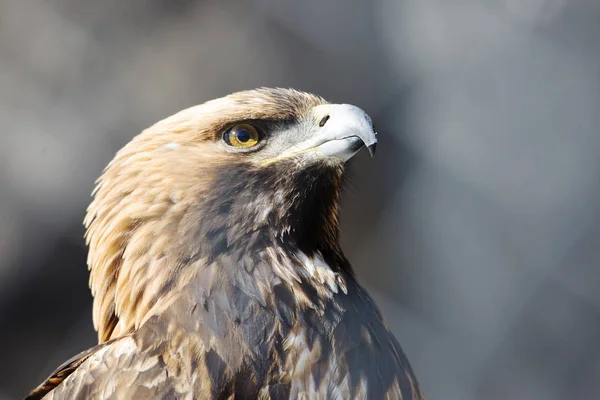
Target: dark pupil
point(242, 135)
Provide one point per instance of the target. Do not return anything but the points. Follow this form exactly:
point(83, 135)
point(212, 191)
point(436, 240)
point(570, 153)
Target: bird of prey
point(216, 267)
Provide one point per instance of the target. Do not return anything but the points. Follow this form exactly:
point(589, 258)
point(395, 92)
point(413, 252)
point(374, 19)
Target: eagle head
point(224, 177)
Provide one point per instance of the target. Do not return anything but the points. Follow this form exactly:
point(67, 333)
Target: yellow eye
point(242, 135)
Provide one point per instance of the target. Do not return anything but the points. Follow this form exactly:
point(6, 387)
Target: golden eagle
point(216, 267)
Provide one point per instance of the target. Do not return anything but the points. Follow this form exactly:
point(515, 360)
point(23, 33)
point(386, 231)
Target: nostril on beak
point(323, 121)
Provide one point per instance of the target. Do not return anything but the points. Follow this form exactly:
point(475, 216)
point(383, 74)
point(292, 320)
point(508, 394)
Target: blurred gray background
point(476, 227)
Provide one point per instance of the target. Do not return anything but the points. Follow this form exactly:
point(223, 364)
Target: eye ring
point(242, 135)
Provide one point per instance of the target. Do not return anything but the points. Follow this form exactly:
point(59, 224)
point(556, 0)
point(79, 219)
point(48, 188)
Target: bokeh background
point(476, 227)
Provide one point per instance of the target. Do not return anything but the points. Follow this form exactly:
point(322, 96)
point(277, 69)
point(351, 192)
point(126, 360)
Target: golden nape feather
point(215, 262)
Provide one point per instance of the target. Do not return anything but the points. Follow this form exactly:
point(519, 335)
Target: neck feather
point(253, 228)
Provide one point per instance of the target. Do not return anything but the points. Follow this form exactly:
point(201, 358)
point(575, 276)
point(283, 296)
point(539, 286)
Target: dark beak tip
point(372, 149)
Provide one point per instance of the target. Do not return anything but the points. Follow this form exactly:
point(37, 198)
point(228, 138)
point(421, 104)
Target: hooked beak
point(346, 130)
point(342, 130)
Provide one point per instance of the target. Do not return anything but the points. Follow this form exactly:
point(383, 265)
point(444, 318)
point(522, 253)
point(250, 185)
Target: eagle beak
point(343, 130)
